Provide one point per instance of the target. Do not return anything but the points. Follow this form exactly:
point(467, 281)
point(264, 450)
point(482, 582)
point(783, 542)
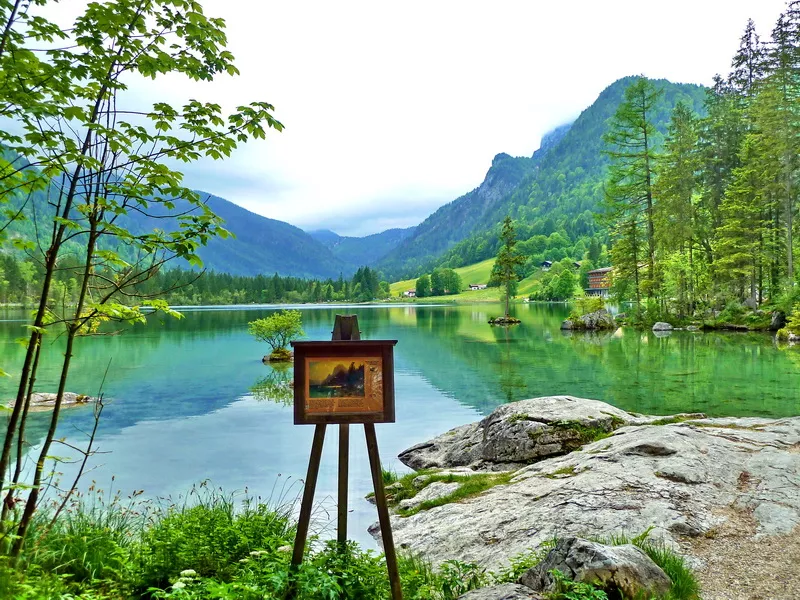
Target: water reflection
point(276, 386)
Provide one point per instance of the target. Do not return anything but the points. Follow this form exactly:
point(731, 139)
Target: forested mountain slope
point(366, 250)
point(259, 245)
point(456, 220)
point(559, 194)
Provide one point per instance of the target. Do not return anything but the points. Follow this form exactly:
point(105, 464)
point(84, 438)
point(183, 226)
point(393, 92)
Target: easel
point(346, 328)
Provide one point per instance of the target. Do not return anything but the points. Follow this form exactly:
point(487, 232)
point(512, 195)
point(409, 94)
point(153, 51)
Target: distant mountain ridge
point(359, 251)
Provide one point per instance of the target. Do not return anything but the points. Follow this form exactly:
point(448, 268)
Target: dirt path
point(739, 566)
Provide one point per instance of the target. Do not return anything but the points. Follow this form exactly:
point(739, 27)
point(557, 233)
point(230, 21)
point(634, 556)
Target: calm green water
point(182, 409)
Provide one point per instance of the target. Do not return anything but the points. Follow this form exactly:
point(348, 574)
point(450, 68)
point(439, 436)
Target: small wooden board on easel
point(347, 380)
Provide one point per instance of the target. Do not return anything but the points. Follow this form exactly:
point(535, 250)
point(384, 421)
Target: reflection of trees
point(276, 386)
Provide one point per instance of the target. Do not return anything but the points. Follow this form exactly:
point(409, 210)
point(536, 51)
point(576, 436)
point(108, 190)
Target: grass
point(475, 273)
point(217, 546)
point(470, 485)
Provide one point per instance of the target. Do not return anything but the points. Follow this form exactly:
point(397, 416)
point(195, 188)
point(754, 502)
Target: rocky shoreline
point(578, 467)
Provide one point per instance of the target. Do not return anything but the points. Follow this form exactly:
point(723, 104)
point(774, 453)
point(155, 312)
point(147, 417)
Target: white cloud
point(393, 108)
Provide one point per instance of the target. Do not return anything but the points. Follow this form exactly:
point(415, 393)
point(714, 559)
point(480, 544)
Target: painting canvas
point(344, 385)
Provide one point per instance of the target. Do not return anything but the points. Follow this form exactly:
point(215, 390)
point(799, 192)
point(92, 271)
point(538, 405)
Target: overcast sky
point(395, 108)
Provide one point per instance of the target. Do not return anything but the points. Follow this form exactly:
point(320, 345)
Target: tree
point(278, 330)
point(92, 164)
point(629, 189)
point(437, 283)
point(508, 262)
point(452, 281)
point(676, 211)
point(423, 286)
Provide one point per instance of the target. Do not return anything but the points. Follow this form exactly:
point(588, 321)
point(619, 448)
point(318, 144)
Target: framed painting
point(344, 382)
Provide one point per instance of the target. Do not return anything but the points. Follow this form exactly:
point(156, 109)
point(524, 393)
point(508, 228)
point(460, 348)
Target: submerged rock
point(624, 569)
point(662, 326)
point(44, 401)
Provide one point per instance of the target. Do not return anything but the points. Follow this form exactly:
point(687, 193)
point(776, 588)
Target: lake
point(190, 400)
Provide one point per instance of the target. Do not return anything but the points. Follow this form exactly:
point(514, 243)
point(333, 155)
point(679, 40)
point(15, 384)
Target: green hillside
point(477, 273)
point(555, 201)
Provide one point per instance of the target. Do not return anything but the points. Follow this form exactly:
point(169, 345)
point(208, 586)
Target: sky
point(392, 109)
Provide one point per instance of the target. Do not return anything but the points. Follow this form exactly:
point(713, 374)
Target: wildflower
point(188, 573)
point(285, 549)
point(178, 585)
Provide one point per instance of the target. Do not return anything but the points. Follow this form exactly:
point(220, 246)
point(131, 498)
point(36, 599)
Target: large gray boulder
point(778, 320)
point(519, 433)
point(684, 479)
point(507, 591)
point(600, 319)
point(624, 569)
point(661, 326)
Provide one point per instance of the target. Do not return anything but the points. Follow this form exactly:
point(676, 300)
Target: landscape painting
point(334, 378)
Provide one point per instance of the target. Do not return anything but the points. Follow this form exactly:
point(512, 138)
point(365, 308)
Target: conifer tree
point(508, 262)
point(629, 188)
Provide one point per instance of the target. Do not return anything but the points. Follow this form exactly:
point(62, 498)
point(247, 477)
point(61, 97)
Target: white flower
point(188, 573)
point(178, 585)
point(285, 549)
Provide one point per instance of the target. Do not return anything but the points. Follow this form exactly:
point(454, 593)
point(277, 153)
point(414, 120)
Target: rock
point(438, 489)
point(600, 319)
point(661, 326)
point(793, 338)
point(518, 433)
point(44, 401)
point(693, 328)
point(507, 591)
point(420, 481)
point(684, 479)
point(625, 570)
point(279, 356)
point(778, 320)
point(507, 320)
point(393, 487)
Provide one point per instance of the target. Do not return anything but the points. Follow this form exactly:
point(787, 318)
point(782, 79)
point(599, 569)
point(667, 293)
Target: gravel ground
point(739, 566)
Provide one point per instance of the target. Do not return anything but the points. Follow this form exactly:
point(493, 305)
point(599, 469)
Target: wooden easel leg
point(308, 496)
point(344, 464)
point(383, 511)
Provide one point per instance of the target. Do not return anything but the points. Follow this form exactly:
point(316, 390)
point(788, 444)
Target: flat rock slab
point(508, 591)
point(677, 479)
point(45, 401)
point(518, 433)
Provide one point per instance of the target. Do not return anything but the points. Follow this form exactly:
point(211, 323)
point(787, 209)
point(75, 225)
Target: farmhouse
point(410, 293)
point(599, 282)
point(477, 286)
point(546, 264)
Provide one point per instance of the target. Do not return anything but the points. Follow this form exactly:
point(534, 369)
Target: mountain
point(456, 220)
point(259, 246)
point(359, 251)
point(558, 190)
point(267, 246)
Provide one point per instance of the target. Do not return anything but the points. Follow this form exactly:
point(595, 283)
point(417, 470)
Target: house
point(410, 293)
point(546, 265)
point(577, 265)
point(477, 286)
point(599, 282)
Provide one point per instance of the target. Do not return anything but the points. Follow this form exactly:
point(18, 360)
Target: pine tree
point(676, 212)
point(509, 261)
point(631, 176)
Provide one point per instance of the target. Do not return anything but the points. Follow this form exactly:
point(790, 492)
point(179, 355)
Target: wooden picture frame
point(344, 382)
